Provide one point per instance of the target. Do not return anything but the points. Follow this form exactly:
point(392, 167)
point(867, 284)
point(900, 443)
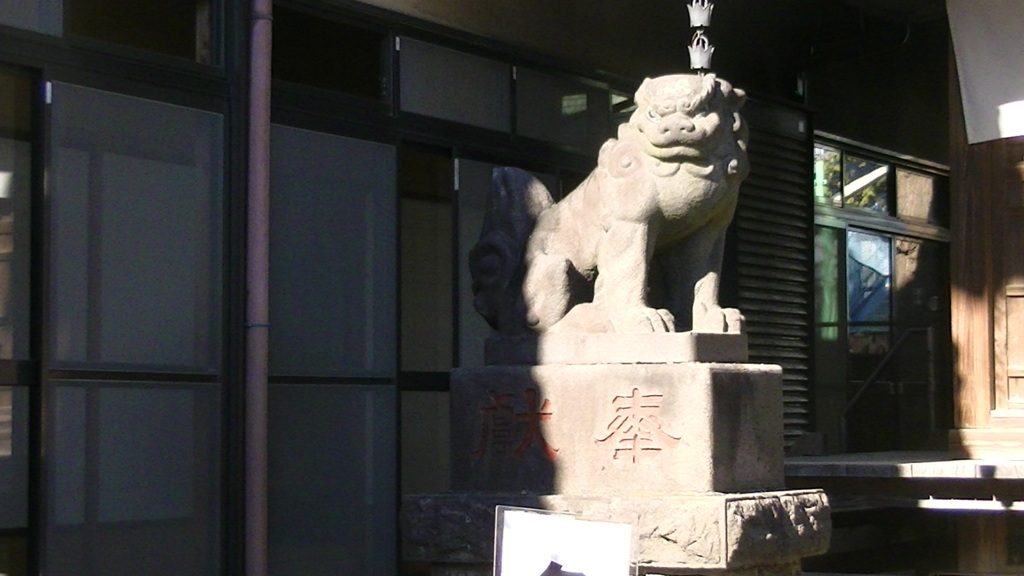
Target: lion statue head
point(686, 117)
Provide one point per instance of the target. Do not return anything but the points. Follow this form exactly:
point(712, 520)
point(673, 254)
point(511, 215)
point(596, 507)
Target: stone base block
point(618, 428)
point(763, 533)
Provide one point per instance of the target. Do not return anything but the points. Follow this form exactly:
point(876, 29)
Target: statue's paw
point(715, 319)
point(644, 320)
point(546, 291)
point(735, 323)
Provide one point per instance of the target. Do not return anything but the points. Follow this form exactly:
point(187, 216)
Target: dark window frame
point(890, 225)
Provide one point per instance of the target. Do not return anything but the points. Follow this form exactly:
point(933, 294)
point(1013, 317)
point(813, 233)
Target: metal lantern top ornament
point(701, 48)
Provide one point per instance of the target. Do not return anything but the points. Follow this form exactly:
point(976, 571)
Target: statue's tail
point(515, 201)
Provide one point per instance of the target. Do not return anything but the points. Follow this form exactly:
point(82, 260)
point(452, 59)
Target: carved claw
point(642, 319)
point(715, 319)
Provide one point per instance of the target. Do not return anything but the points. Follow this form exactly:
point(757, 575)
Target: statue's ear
point(733, 97)
point(641, 92)
point(736, 98)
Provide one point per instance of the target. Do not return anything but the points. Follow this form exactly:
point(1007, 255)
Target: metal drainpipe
point(257, 291)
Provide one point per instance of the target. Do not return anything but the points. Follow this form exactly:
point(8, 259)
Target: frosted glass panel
point(332, 480)
point(150, 431)
point(136, 206)
point(13, 457)
point(332, 255)
point(452, 85)
point(134, 479)
point(67, 461)
point(561, 110)
point(36, 15)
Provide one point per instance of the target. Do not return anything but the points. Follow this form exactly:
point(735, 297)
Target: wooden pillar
point(971, 269)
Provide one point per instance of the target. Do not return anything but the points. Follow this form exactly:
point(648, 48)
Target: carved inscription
point(505, 432)
point(496, 421)
point(636, 430)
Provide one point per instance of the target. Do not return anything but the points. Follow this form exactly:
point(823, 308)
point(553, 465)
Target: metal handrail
point(872, 379)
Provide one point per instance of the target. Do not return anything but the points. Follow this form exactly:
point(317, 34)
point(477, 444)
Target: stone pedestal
point(617, 428)
point(687, 438)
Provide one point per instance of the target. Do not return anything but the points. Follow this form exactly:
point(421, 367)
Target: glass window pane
point(561, 110)
point(13, 459)
point(918, 197)
point(332, 257)
point(332, 483)
point(455, 86)
point(322, 53)
point(865, 184)
point(135, 480)
point(828, 176)
point(135, 229)
point(15, 218)
point(36, 15)
point(868, 277)
point(828, 263)
point(921, 272)
point(427, 222)
point(180, 28)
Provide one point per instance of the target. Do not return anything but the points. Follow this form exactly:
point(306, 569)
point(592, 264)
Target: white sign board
point(541, 543)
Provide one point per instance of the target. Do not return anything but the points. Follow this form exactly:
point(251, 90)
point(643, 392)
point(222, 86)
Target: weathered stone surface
point(776, 527)
point(584, 348)
point(603, 429)
point(454, 528)
point(765, 533)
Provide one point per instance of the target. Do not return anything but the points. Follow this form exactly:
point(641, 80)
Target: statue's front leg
point(622, 263)
point(708, 315)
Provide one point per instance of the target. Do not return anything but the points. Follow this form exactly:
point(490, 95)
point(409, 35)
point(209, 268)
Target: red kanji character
point(636, 428)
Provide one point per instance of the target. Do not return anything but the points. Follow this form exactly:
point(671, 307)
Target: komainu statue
point(637, 247)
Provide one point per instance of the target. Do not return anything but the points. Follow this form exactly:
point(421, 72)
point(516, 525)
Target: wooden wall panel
point(1009, 335)
point(987, 291)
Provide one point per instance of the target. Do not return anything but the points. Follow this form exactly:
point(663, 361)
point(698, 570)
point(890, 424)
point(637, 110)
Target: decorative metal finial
point(701, 48)
point(700, 13)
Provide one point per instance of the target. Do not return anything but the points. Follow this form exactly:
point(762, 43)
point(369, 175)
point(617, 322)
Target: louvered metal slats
point(773, 227)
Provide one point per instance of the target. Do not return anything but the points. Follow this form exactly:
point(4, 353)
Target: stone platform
point(762, 533)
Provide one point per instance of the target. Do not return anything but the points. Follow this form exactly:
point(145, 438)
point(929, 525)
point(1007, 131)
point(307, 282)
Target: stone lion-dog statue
point(638, 246)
